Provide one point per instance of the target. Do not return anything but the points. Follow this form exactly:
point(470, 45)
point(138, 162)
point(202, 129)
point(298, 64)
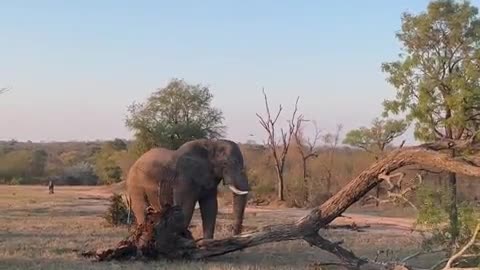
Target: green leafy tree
point(376, 138)
point(38, 162)
point(173, 115)
point(15, 164)
point(437, 77)
point(106, 165)
point(69, 158)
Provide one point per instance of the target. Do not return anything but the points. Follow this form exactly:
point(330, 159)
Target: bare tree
point(331, 140)
point(307, 149)
point(278, 147)
point(3, 90)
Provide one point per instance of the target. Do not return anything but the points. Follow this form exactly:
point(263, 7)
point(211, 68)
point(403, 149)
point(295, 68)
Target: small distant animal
point(50, 187)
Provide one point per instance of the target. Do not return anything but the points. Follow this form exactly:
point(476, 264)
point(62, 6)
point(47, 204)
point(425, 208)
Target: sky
point(73, 67)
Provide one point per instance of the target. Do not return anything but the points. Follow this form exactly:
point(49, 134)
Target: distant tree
point(81, 173)
point(114, 173)
point(38, 162)
point(15, 164)
point(69, 158)
point(173, 115)
point(278, 147)
point(376, 138)
point(437, 78)
point(330, 141)
point(118, 144)
point(106, 164)
point(306, 146)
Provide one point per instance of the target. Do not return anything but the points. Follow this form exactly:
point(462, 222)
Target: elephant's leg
point(138, 205)
point(188, 207)
point(187, 201)
point(161, 195)
point(154, 200)
point(208, 210)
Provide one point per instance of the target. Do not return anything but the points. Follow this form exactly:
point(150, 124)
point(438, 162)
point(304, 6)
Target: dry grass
point(42, 231)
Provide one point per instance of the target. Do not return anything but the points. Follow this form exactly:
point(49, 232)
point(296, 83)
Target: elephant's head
point(229, 166)
point(207, 162)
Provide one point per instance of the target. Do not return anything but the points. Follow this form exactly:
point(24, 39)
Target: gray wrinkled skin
point(189, 175)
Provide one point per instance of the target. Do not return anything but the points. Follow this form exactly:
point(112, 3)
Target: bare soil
point(42, 231)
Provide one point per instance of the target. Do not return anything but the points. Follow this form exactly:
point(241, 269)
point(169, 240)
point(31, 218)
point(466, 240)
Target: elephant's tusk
point(236, 191)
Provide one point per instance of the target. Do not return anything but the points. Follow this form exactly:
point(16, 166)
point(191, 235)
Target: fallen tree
point(159, 238)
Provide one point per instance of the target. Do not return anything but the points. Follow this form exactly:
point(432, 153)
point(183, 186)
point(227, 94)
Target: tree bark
point(280, 192)
point(452, 208)
point(306, 188)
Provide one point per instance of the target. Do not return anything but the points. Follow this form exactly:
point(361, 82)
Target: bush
point(117, 213)
point(79, 174)
point(433, 214)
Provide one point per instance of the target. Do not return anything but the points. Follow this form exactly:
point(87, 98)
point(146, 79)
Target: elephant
point(187, 176)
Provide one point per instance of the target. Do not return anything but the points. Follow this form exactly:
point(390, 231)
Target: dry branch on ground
point(161, 225)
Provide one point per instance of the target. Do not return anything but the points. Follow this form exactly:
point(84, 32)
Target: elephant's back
point(149, 167)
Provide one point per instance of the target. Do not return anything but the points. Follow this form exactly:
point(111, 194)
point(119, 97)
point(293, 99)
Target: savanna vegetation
point(437, 84)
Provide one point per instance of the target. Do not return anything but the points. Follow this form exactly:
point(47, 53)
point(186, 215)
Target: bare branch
point(462, 251)
point(395, 193)
point(279, 149)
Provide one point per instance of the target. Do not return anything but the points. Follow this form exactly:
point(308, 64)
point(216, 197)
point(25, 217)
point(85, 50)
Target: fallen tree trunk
point(181, 247)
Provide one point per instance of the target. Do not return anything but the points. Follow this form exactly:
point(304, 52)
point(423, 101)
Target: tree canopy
point(173, 115)
point(376, 138)
point(437, 75)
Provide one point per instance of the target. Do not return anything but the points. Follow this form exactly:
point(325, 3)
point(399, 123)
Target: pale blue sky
point(74, 66)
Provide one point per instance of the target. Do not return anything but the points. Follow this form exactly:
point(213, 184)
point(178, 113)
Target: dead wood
point(352, 227)
point(462, 252)
point(396, 193)
point(160, 237)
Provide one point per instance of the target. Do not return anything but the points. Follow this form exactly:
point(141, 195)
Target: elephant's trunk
point(238, 184)
point(239, 203)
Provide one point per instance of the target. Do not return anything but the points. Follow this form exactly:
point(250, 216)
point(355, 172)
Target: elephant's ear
point(194, 167)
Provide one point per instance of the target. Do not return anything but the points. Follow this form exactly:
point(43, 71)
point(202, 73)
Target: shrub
point(79, 174)
point(433, 214)
point(117, 213)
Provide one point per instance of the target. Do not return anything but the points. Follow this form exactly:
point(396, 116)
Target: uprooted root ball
point(162, 236)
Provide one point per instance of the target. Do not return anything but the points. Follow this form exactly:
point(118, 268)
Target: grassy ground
point(42, 231)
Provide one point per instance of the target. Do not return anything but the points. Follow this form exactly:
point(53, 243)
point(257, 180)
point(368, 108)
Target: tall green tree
point(437, 77)
point(376, 138)
point(173, 115)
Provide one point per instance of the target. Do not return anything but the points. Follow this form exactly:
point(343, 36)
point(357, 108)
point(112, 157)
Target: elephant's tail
point(129, 206)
